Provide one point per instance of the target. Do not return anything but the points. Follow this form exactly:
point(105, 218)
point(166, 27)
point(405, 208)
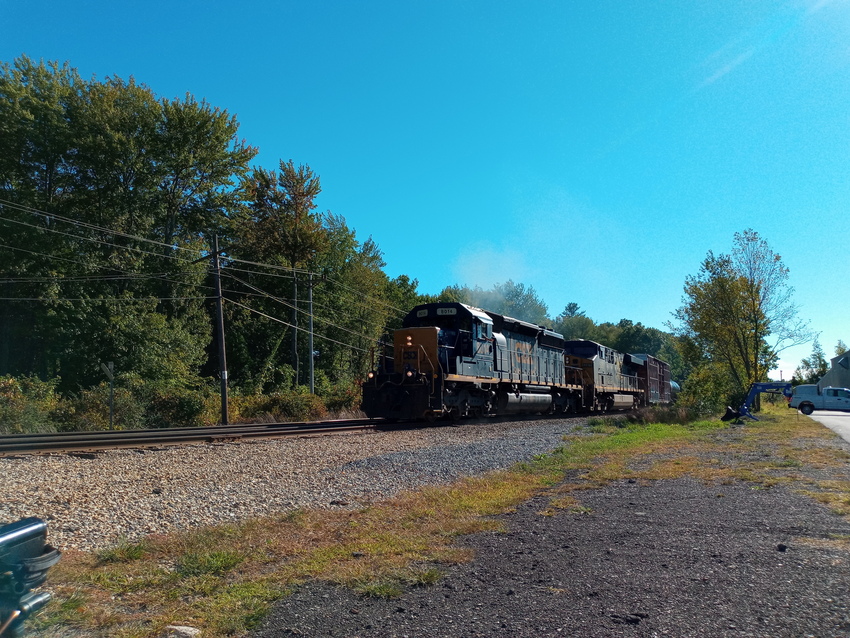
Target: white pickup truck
point(808, 398)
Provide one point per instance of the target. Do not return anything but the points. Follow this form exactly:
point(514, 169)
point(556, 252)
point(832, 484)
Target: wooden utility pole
point(222, 358)
point(310, 345)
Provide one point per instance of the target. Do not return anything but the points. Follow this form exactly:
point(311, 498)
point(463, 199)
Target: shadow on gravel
point(668, 558)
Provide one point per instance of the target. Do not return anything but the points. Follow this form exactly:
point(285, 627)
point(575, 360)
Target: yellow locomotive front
point(408, 386)
point(416, 351)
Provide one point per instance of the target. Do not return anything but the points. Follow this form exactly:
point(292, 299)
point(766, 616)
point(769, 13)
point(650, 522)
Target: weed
point(123, 552)
point(215, 563)
point(380, 588)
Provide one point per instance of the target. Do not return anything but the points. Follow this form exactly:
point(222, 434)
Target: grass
point(224, 579)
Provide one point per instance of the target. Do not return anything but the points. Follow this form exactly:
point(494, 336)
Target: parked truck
point(808, 398)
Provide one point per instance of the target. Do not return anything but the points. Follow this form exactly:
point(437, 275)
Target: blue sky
point(593, 150)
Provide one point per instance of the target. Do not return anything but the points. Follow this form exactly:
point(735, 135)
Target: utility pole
point(295, 362)
point(108, 370)
point(310, 342)
point(222, 358)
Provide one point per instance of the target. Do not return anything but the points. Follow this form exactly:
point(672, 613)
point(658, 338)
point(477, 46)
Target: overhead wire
point(28, 209)
point(360, 299)
point(315, 334)
point(128, 274)
point(291, 272)
point(293, 307)
point(96, 241)
point(105, 299)
point(76, 222)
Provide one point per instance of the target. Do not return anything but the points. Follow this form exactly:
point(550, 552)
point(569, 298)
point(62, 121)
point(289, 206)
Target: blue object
point(768, 387)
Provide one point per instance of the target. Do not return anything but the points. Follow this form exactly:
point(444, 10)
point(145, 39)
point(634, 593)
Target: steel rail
point(13, 444)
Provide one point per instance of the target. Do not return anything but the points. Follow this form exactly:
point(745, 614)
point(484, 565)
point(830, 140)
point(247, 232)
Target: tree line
point(110, 197)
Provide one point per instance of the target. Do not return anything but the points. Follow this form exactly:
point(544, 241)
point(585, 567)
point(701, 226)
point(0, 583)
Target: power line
point(34, 211)
point(291, 272)
point(291, 306)
point(97, 241)
point(360, 298)
point(104, 299)
point(95, 278)
point(76, 222)
point(262, 314)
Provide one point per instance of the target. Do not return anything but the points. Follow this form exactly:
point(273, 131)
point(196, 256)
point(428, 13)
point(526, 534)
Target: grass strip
point(224, 579)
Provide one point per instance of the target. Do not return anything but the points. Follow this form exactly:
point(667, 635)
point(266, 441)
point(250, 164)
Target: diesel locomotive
point(451, 359)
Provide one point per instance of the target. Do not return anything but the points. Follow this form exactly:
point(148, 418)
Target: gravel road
point(639, 559)
point(670, 558)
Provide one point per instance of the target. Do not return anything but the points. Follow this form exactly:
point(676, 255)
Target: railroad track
point(13, 444)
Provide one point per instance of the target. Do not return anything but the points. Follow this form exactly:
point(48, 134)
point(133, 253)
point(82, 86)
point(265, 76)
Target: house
point(839, 375)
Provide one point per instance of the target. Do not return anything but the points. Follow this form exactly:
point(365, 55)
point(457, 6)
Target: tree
point(738, 312)
point(637, 339)
point(92, 172)
point(840, 348)
point(572, 310)
point(811, 369)
point(282, 227)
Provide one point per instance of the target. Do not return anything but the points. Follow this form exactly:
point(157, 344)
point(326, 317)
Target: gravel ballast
point(93, 500)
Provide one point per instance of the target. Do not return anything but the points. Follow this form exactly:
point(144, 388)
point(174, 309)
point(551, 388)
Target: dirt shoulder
point(683, 556)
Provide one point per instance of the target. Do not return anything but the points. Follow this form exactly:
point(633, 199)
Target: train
point(454, 360)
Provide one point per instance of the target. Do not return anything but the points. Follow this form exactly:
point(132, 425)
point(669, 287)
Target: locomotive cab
point(464, 339)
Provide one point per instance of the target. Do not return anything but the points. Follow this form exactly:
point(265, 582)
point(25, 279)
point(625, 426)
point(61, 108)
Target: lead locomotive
point(453, 359)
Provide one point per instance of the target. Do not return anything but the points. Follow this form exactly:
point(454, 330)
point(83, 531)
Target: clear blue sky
point(595, 150)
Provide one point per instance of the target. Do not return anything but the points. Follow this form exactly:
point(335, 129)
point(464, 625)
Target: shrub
point(296, 405)
point(89, 410)
point(27, 405)
point(174, 408)
point(342, 397)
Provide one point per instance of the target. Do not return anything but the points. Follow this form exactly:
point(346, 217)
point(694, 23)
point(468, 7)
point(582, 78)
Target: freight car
point(453, 359)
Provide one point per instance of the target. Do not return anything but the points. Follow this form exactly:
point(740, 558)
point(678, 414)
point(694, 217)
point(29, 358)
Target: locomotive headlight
point(371, 375)
point(409, 339)
point(409, 373)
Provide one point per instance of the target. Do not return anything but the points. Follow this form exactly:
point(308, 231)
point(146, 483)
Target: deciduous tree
point(813, 367)
point(738, 310)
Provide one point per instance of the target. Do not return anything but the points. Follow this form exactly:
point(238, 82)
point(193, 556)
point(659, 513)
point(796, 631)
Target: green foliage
point(214, 563)
point(179, 407)
point(123, 552)
point(386, 588)
point(110, 196)
point(509, 298)
point(94, 154)
point(737, 315)
point(811, 369)
point(338, 397)
point(667, 415)
point(27, 405)
point(576, 327)
point(88, 410)
point(294, 405)
point(708, 390)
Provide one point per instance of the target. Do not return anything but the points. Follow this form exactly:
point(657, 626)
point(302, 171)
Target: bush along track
point(223, 580)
